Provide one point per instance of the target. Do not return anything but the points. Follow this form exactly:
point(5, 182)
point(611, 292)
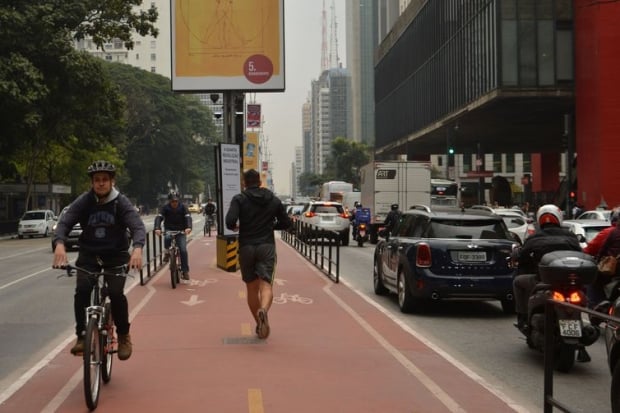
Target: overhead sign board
point(227, 45)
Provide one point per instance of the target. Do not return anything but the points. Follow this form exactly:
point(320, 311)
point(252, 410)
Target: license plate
point(473, 256)
point(570, 328)
point(327, 219)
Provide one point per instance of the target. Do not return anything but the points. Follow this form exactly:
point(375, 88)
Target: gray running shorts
point(258, 261)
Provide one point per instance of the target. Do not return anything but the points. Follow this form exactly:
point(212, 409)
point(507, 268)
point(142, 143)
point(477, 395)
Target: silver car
point(320, 218)
point(37, 222)
point(585, 229)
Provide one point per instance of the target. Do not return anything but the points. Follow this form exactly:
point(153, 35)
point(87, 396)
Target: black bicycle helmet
point(173, 196)
point(101, 166)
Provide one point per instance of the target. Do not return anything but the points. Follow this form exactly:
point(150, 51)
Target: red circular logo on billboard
point(258, 68)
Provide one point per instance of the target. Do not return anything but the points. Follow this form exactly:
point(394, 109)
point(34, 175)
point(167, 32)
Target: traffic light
point(451, 150)
point(573, 196)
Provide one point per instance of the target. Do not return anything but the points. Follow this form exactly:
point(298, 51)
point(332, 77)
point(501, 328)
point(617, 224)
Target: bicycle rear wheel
point(174, 279)
point(92, 364)
point(107, 344)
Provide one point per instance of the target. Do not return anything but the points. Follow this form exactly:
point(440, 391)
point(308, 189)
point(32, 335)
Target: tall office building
point(331, 108)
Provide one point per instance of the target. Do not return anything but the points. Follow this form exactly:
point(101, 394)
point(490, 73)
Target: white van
point(350, 198)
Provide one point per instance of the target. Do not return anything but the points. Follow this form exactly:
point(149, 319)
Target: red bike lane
point(195, 351)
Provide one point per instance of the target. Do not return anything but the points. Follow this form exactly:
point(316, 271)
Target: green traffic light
point(451, 151)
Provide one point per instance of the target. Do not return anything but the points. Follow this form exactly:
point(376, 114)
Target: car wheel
point(405, 298)
point(344, 237)
point(45, 233)
point(377, 280)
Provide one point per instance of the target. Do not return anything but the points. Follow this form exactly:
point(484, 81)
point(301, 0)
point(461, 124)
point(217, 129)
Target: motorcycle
point(361, 223)
point(563, 276)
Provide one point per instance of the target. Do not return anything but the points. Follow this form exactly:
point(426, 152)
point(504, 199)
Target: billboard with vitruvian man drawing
point(227, 45)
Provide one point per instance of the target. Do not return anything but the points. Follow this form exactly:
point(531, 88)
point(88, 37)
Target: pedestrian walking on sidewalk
point(255, 213)
point(105, 215)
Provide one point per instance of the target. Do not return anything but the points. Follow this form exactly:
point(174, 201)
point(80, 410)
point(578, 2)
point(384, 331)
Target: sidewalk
point(195, 351)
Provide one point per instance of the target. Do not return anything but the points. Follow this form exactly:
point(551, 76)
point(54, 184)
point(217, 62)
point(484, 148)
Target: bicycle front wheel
point(173, 269)
point(92, 364)
point(107, 344)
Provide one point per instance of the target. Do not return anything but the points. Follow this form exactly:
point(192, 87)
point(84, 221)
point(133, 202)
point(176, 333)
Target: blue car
point(446, 253)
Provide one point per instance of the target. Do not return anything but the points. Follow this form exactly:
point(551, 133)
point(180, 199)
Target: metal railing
point(549, 354)
point(319, 246)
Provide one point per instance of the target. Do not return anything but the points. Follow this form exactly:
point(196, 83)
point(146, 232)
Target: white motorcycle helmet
point(549, 214)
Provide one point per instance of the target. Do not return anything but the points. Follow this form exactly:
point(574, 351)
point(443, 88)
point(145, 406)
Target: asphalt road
point(36, 317)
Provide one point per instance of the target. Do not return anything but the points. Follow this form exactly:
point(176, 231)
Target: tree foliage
point(346, 159)
point(52, 95)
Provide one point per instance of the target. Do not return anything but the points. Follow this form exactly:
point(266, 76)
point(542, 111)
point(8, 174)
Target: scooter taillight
point(362, 227)
point(423, 255)
point(573, 297)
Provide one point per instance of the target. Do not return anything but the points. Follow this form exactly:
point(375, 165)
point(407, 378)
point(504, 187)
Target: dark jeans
point(182, 244)
point(116, 284)
point(522, 287)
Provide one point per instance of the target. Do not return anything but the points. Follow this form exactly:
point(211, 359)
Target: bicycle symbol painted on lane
point(293, 298)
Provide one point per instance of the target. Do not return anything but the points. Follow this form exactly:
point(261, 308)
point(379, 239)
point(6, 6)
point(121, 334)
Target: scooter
point(360, 225)
point(563, 275)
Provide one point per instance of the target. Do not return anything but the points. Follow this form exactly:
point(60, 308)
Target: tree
point(170, 136)
point(50, 93)
point(346, 159)
point(309, 183)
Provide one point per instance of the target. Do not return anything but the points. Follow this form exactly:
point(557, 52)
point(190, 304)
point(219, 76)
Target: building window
point(108, 57)
point(137, 56)
point(466, 163)
point(497, 162)
point(527, 162)
point(153, 57)
point(118, 44)
point(510, 162)
point(153, 69)
point(153, 44)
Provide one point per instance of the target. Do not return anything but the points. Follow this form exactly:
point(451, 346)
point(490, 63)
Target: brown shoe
point(78, 347)
point(124, 346)
point(262, 329)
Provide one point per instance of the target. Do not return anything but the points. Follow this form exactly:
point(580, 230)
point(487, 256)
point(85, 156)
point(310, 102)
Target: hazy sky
point(282, 111)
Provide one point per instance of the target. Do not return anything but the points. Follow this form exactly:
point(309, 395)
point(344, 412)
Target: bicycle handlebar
point(72, 270)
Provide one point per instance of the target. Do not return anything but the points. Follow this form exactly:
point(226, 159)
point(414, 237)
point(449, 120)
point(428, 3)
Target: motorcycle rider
point(606, 242)
point(392, 218)
point(549, 237)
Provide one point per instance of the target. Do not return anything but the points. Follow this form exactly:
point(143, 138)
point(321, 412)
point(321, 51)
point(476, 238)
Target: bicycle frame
point(99, 340)
point(175, 258)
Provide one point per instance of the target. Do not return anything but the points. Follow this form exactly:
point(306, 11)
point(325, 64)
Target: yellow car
point(194, 208)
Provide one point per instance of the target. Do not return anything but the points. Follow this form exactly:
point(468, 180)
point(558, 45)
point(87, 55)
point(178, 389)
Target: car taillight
point(345, 215)
point(309, 214)
point(423, 255)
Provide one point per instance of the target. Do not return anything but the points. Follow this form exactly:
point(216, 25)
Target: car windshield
point(468, 229)
point(591, 232)
point(30, 216)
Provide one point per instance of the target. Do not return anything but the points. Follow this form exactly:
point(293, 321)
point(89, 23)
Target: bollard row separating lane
point(319, 246)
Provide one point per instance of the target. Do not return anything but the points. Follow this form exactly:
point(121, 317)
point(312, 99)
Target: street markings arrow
point(193, 300)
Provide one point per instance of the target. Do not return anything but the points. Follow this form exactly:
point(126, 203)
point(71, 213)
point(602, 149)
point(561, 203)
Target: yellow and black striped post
point(227, 252)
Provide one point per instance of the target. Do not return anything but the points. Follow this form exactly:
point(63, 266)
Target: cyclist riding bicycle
point(105, 215)
point(175, 217)
point(210, 209)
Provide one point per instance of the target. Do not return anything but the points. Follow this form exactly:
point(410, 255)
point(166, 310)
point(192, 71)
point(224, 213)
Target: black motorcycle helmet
point(394, 207)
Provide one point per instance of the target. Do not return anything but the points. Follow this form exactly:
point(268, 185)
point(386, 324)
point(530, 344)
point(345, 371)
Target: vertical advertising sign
point(227, 45)
point(230, 177)
point(253, 115)
point(250, 151)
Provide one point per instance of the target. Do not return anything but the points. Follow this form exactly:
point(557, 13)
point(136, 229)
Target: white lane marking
point(34, 274)
point(193, 300)
point(24, 253)
point(62, 395)
point(471, 374)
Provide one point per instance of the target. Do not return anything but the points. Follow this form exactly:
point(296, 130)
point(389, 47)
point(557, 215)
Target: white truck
point(384, 183)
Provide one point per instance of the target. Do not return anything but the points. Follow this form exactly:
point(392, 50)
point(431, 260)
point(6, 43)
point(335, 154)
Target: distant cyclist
point(210, 208)
point(176, 217)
